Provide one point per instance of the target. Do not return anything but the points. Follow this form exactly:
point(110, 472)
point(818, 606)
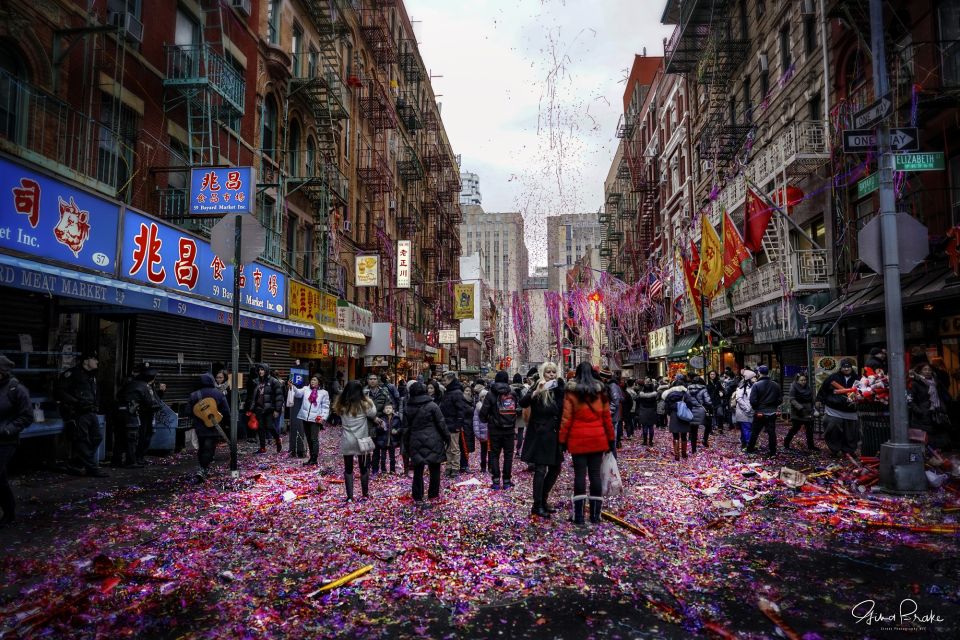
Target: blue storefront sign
point(198, 310)
point(46, 218)
point(219, 191)
point(161, 255)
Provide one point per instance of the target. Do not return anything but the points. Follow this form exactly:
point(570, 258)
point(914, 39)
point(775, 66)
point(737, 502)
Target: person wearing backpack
point(742, 410)
point(679, 414)
point(499, 411)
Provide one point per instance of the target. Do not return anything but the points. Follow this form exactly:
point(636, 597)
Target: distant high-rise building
point(570, 236)
point(470, 188)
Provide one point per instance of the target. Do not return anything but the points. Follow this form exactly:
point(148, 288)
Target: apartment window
point(295, 43)
point(291, 238)
point(293, 150)
point(12, 101)
point(948, 18)
point(761, 8)
point(747, 104)
point(744, 31)
point(346, 136)
point(732, 107)
point(117, 138)
point(269, 128)
point(815, 107)
point(810, 33)
point(785, 59)
point(311, 158)
point(312, 58)
point(273, 22)
point(764, 84)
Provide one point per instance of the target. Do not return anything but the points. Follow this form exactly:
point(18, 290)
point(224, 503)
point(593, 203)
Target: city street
point(716, 548)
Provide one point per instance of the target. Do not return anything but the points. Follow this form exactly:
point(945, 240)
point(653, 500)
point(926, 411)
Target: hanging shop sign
point(214, 192)
point(47, 218)
point(164, 256)
point(367, 270)
point(352, 317)
point(777, 322)
point(328, 309)
point(463, 301)
point(304, 302)
point(404, 247)
point(660, 342)
point(309, 349)
point(448, 336)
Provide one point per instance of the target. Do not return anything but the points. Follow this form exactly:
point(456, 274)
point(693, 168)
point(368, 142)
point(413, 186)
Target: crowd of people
point(439, 423)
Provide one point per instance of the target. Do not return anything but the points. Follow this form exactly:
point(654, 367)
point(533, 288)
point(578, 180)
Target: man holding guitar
point(209, 409)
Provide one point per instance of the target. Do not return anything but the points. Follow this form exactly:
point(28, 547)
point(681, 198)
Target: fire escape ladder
point(376, 31)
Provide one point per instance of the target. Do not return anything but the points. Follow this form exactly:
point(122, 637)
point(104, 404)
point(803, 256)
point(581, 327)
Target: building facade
point(570, 236)
point(470, 193)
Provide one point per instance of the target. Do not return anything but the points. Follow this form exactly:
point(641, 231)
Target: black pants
point(313, 439)
point(519, 439)
point(380, 455)
point(206, 450)
point(434, 490)
point(298, 436)
point(267, 423)
point(361, 462)
point(125, 440)
point(584, 465)
point(544, 477)
point(7, 502)
point(501, 443)
point(842, 436)
point(763, 423)
point(484, 455)
point(144, 434)
point(796, 425)
point(646, 432)
point(85, 438)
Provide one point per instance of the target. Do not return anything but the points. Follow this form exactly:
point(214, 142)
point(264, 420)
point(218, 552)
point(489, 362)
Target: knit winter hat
point(749, 374)
point(502, 376)
point(763, 369)
point(6, 365)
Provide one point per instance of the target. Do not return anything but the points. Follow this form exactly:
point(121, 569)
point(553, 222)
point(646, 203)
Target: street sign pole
point(235, 351)
point(901, 463)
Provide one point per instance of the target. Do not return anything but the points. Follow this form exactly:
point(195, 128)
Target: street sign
point(919, 161)
point(901, 139)
point(912, 243)
point(873, 114)
point(253, 238)
point(868, 185)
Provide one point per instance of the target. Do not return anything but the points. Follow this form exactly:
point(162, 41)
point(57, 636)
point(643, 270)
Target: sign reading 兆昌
point(164, 256)
point(403, 264)
point(367, 271)
point(49, 219)
point(218, 191)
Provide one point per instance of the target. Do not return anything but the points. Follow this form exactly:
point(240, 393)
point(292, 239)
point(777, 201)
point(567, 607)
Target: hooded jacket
point(801, 402)
point(274, 399)
point(499, 423)
point(672, 396)
point(587, 424)
point(646, 407)
point(455, 408)
point(425, 435)
point(541, 444)
point(701, 402)
point(15, 412)
point(309, 412)
point(356, 427)
point(208, 389)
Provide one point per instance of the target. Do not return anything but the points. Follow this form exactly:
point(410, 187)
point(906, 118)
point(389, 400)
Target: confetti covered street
point(714, 546)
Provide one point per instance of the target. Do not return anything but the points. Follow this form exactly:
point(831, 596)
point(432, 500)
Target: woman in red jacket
point(586, 430)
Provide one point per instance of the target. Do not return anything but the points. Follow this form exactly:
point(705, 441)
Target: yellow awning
point(336, 334)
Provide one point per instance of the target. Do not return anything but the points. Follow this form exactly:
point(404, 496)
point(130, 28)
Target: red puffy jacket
point(586, 426)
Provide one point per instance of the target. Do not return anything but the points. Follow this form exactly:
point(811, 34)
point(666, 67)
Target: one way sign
point(901, 139)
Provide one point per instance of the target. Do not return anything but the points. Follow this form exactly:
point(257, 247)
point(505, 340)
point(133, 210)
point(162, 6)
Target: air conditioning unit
point(129, 24)
point(764, 64)
point(243, 6)
point(808, 9)
point(347, 225)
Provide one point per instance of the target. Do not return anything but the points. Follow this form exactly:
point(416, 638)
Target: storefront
point(659, 346)
point(682, 358)
point(359, 323)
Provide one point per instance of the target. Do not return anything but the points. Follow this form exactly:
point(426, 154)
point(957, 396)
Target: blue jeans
point(745, 428)
point(646, 432)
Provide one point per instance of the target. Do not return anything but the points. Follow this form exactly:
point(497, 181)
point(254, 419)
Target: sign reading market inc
point(215, 192)
point(49, 219)
point(158, 254)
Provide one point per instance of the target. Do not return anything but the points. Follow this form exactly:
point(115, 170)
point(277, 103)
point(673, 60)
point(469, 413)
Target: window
point(764, 84)
point(810, 33)
point(747, 104)
point(187, 38)
point(948, 18)
point(814, 107)
point(293, 150)
point(296, 41)
point(273, 22)
point(268, 139)
point(312, 59)
point(785, 59)
point(12, 98)
point(117, 138)
point(311, 158)
point(732, 107)
point(744, 31)
point(761, 8)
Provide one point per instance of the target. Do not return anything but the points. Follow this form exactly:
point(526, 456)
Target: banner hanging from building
point(463, 301)
point(304, 302)
point(404, 248)
point(215, 192)
point(367, 271)
point(328, 309)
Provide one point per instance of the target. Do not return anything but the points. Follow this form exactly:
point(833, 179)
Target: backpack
point(507, 404)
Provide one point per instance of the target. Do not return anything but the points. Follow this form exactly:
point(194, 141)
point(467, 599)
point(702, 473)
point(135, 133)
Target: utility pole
point(901, 463)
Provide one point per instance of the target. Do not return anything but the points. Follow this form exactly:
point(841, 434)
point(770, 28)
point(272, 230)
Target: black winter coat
point(766, 397)
point(137, 399)
point(457, 412)
point(921, 412)
point(646, 408)
point(15, 412)
point(541, 442)
point(498, 423)
point(274, 397)
point(208, 389)
point(801, 402)
point(425, 436)
point(838, 401)
point(77, 392)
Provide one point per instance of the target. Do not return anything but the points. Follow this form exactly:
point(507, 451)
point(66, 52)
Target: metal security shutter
point(23, 313)
point(159, 340)
point(794, 354)
point(276, 353)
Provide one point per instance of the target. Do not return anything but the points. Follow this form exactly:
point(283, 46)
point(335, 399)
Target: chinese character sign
point(47, 218)
point(304, 303)
point(219, 191)
point(463, 301)
point(367, 271)
point(328, 310)
point(403, 263)
point(161, 255)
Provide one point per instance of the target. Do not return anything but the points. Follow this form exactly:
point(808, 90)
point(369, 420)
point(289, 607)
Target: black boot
point(578, 509)
point(348, 485)
point(364, 483)
point(310, 462)
point(596, 506)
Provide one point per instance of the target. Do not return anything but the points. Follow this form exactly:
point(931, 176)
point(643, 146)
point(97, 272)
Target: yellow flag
point(711, 259)
point(463, 301)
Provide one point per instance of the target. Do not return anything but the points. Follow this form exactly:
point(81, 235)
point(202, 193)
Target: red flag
point(734, 252)
point(755, 222)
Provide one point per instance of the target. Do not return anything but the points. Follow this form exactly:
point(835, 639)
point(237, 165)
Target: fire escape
point(702, 43)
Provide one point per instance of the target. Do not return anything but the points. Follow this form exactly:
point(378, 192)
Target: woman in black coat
point(541, 446)
point(425, 439)
point(801, 411)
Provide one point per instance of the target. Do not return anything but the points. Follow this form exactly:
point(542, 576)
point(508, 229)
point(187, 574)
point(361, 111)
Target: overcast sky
point(531, 91)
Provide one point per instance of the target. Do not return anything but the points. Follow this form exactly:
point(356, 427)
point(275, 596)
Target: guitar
point(208, 413)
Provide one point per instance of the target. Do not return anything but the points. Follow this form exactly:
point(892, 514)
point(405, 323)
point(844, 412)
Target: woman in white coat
point(742, 410)
point(314, 410)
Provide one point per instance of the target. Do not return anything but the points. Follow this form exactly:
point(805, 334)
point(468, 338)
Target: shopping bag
point(190, 440)
point(291, 397)
point(610, 474)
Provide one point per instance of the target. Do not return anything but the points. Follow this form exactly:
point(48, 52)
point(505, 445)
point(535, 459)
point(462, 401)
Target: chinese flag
point(710, 275)
point(734, 251)
point(690, 278)
point(755, 221)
